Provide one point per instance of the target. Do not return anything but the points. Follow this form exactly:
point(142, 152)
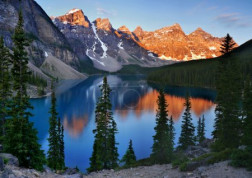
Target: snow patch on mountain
point(200, 56)
point(94, 59)
point(212, 48)
point(165, 57)
point(150, 54)
point(73, 11)
point(104, 47)
point(46, 54)
point(120, 45)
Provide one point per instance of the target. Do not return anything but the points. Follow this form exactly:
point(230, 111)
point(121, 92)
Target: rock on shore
point(218, 170)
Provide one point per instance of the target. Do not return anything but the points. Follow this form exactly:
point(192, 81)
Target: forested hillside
point(202, 72)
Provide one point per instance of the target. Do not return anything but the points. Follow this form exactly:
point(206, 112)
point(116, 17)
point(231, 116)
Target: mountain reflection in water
point(134, 110)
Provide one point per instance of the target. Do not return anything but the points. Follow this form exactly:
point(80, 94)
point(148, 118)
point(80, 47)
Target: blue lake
point(134, 108)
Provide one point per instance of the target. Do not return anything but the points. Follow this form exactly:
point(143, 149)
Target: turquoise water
point(134, 108)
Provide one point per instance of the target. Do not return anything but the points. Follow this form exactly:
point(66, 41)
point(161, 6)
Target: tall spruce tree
point(105, 153)
point(227, 127)
point(5, 86)
point(247, 110)
point(171, 137)
point(201, 130)
point(61, 145)
point(113, 151)
point(56, 156)
point(53, 151)
point(187, 136)
point(21, 138)
point(129, 158)
point(160, 149)
point(227, 45)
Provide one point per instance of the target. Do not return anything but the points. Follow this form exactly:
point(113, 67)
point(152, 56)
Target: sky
point(217, 17)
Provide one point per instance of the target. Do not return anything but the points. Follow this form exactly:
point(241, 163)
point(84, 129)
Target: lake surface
point(134, 110)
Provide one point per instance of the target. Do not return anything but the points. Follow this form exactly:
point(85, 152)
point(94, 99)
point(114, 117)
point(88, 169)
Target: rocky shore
point(218, 170)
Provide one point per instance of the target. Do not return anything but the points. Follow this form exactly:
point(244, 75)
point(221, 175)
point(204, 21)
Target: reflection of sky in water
point(134, 108)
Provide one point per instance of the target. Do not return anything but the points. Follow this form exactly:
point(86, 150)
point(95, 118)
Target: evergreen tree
point(160, 149)
point(53, 151)
point(21, 138)
point(105, 154)
point(95, 160)
point(5, 85)
point(113, 151)
point(201, 130)
point(247, 108)
point(187, 137)
point(227, 127)
point(129, 158)
point(61, 145)
point(227, 45)
point(56, 155)
point(171, 137)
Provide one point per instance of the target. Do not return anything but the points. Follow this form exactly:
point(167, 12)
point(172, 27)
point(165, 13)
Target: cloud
point(232, 20)
point(101, 11)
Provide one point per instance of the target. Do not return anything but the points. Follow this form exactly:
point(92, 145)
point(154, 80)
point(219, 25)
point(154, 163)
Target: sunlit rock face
point(75, 17)
point(171, 43)
point(109, 49)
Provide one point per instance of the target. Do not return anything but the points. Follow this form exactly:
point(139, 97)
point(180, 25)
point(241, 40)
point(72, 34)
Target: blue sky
point(217, 17)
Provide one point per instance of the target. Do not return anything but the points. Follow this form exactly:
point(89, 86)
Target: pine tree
point(247, 108)
point(61, 145)
point(129, 158)
point(201, 130)
point(160, 149)
point(5, 85)
point(95, 160)
point(187, 137)
point(55, 153)
point(171, 137)
point(104, 154)
point(227, 45)
point(227, 127)
point(113, 151)
point(21, 138)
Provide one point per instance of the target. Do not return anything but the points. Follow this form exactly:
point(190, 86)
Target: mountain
point(84, 46)
point(172, 43)
point(108, 48)
point(45, 39)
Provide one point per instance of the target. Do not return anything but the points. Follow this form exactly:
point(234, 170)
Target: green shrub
point(183, 166)
point(220, 156)
point(6, 160)
point(179, 159)
point(202, 157)
point(242, 158)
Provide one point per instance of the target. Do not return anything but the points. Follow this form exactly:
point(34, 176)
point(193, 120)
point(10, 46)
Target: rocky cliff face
point(72, 38)
point(171, 43)
point(44, 36)
point(109, 49)
point(103, 44)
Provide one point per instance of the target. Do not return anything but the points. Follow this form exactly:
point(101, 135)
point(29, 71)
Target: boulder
point(195, 151)
point(71, 171)
point(12, 160)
